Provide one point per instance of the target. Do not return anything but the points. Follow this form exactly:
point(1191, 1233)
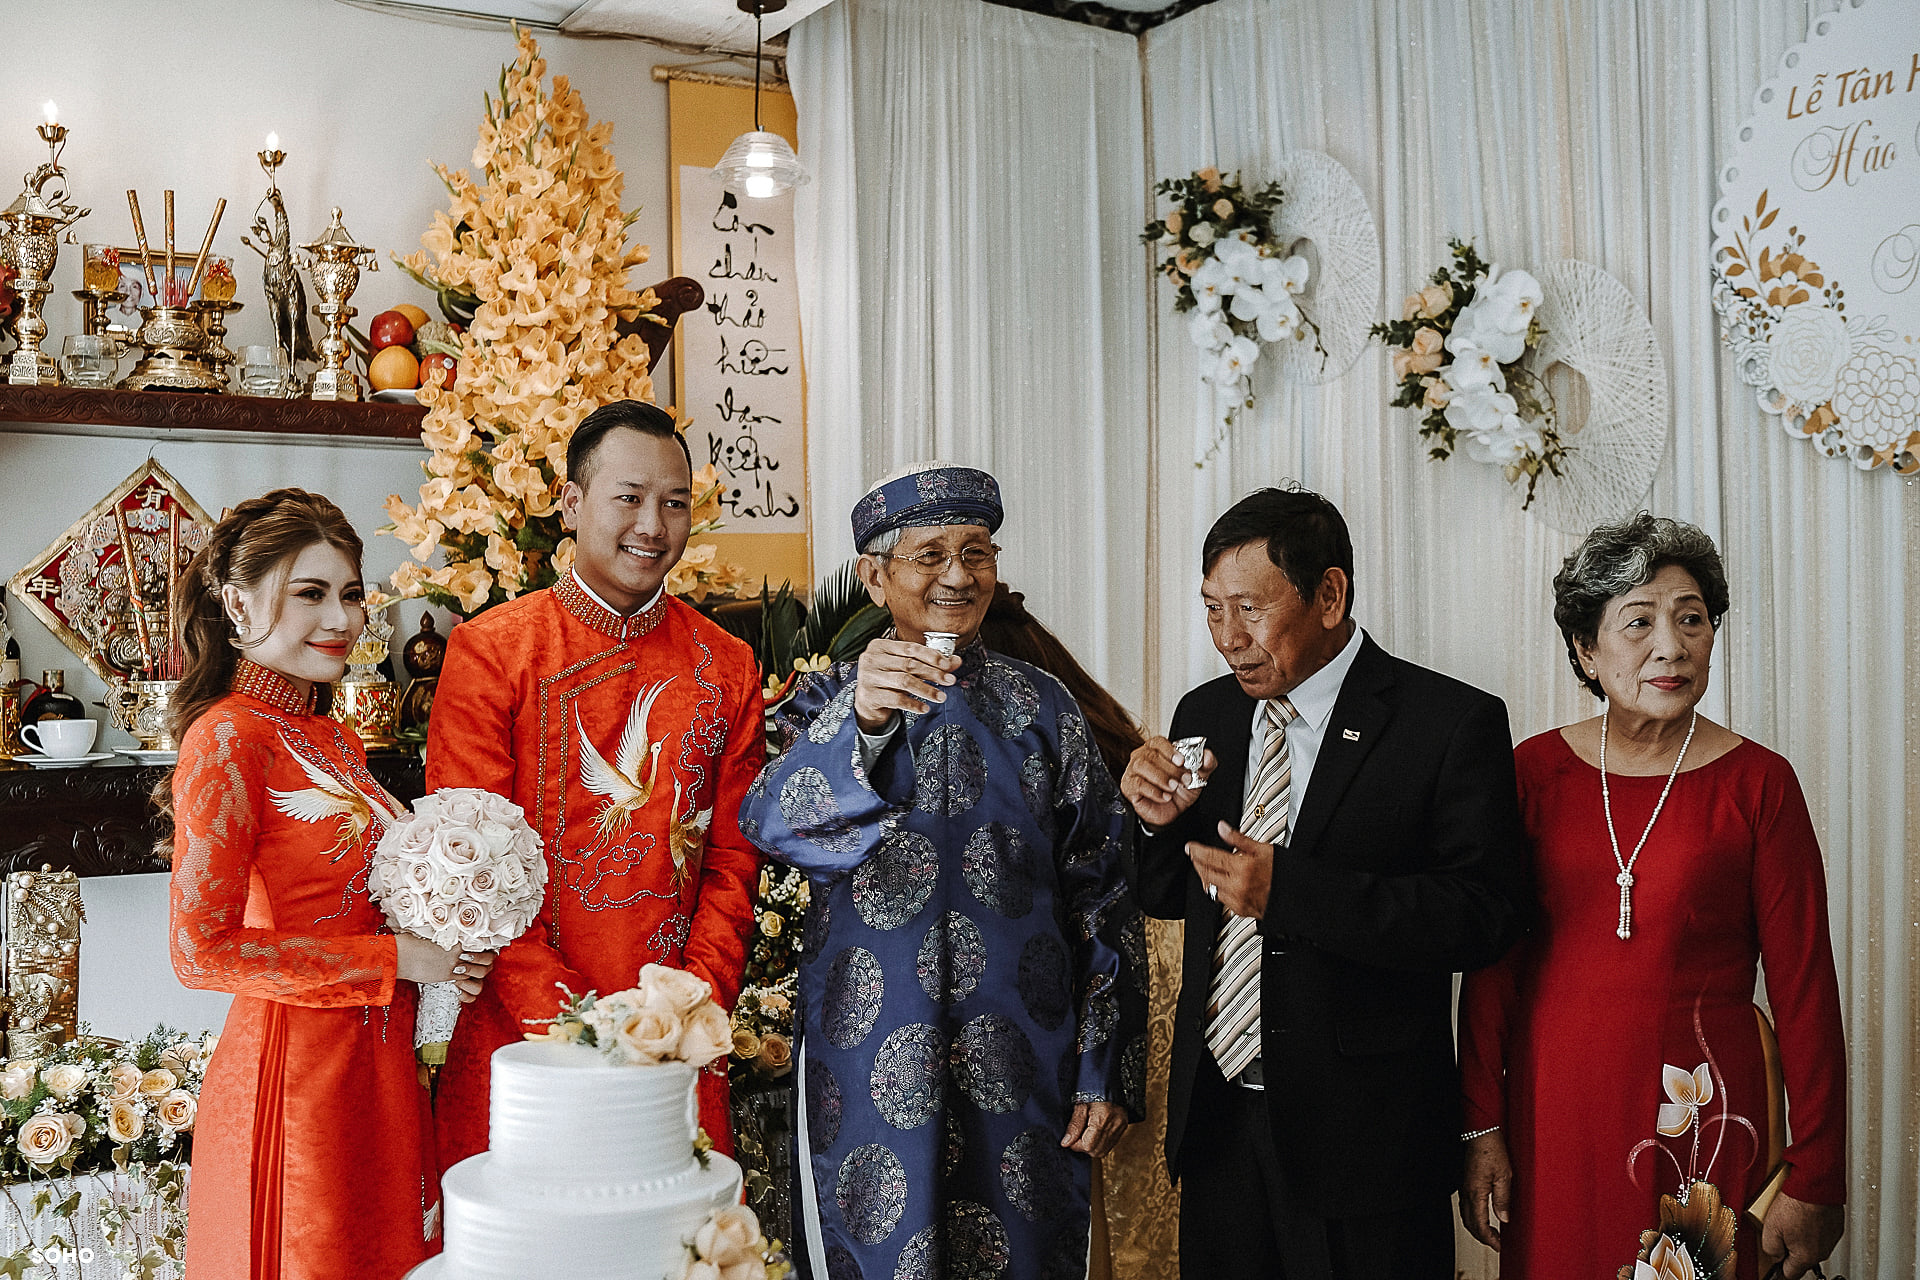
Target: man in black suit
point(1355, 839)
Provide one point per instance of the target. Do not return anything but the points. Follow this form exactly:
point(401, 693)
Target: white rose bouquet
point(465, 871)
point(1460, 348)
point(669, 1016)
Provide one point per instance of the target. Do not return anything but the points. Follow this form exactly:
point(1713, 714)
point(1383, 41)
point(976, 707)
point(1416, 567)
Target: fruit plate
point(63, 762)
point(394, 395)
point(148, 757)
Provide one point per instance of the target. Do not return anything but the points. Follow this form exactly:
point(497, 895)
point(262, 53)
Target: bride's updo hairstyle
point(254, 545)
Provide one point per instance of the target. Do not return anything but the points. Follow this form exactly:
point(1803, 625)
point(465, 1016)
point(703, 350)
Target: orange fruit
point(413, 313)
point(393, 367)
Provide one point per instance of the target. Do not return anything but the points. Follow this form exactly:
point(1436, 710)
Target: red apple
point(438, 367)
point(390, 329)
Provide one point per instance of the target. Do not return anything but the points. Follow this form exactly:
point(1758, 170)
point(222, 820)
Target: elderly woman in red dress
point(1614, 1057)
point(312, 1152)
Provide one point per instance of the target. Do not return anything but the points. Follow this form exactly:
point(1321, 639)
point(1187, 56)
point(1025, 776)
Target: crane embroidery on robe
point(330, 797)
point(686, 836)
point(620, 782)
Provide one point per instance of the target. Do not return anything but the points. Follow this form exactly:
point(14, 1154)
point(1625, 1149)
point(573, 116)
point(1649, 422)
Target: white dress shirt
point(1313, 698)
point(595, 597)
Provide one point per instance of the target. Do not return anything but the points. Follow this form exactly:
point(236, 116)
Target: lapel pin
point(1351, 735)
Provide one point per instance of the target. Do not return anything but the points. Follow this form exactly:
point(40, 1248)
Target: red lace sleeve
point(219, 794)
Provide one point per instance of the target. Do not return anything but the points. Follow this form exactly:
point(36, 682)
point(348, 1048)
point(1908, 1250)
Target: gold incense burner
point(175, 342)
point(30, 230)
point(144, 709)
point(335, 261)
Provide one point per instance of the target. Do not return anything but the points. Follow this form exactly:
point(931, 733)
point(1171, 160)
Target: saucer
point(394, 395)
point(62, 762)
point(145, 756)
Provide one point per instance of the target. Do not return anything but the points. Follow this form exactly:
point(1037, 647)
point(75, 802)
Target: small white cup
point(943, 641)
point(60, 739)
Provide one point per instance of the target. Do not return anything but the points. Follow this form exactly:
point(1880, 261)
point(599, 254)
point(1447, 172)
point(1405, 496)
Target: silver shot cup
point(1193, 754)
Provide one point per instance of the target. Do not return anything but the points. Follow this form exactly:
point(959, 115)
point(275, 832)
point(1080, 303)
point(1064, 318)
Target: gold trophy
point(30, 230)
point(334, 262)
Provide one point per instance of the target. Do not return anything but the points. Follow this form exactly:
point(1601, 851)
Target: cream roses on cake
point(668, 1016)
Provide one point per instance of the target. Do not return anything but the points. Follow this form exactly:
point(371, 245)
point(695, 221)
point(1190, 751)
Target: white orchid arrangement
point(1461, 344)
point(465, 871)
point(1240, 282)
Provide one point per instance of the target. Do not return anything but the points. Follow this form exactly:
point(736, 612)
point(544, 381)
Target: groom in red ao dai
point(628, 727)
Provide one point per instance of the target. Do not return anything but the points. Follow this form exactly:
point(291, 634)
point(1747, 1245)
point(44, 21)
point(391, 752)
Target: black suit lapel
point(1359, 716)
point(1227, 785)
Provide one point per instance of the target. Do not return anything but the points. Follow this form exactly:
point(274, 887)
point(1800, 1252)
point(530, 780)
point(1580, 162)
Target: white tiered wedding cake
point(591, 1174)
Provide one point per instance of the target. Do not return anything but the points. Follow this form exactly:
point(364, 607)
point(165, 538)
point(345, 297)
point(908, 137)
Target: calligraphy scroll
point(738, 380)
point(743, 395)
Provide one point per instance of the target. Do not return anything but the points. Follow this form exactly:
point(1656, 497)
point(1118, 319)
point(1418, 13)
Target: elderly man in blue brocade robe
point(973, 993)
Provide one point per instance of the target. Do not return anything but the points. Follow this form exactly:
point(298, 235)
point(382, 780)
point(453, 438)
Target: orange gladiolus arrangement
point(533, 259)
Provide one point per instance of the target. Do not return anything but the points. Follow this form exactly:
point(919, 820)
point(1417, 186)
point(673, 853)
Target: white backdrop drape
point(975, 289)
point(1586, 129)
point(971, 273)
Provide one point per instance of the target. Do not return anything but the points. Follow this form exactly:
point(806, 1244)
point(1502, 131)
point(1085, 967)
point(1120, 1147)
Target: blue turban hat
point(930, 493)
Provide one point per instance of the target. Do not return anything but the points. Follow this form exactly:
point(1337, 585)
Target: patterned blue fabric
point(974, 966)
point(943, 495)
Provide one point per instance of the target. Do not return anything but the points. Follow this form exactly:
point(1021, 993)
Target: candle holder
point(286, 296)
point(100, 289)
point(30, 230)
point(213, 321)
point(335, 262)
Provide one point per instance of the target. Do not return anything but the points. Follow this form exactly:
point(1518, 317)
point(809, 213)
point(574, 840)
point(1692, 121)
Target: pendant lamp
point(759, 163)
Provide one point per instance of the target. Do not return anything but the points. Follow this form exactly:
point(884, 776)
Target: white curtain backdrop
point(971, 271)
point(1589, 129)
point(974, 289)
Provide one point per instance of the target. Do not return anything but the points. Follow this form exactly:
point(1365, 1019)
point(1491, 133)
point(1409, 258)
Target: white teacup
point(60, 739)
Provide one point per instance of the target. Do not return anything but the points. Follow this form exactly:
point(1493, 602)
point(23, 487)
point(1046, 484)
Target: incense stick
point(168, 300)
point(133, 588)
point(199, 263)
point(173, 574)
point(140, 238)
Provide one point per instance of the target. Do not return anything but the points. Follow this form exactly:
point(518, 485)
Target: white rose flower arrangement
point(1460, 348)
point(98, 1107)
point(465, 871)
point(1242, 285)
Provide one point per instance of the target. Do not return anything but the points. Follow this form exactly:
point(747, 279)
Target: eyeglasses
point(931, 562)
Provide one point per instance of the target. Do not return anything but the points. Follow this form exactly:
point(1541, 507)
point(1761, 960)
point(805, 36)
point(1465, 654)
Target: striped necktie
point(1233, 996)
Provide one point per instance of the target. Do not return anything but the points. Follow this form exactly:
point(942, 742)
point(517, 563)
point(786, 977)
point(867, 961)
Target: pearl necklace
point(1625, 878)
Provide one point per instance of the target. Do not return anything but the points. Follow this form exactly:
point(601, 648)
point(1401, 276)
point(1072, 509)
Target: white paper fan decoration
point(1324, 208)
point(1595, 328)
